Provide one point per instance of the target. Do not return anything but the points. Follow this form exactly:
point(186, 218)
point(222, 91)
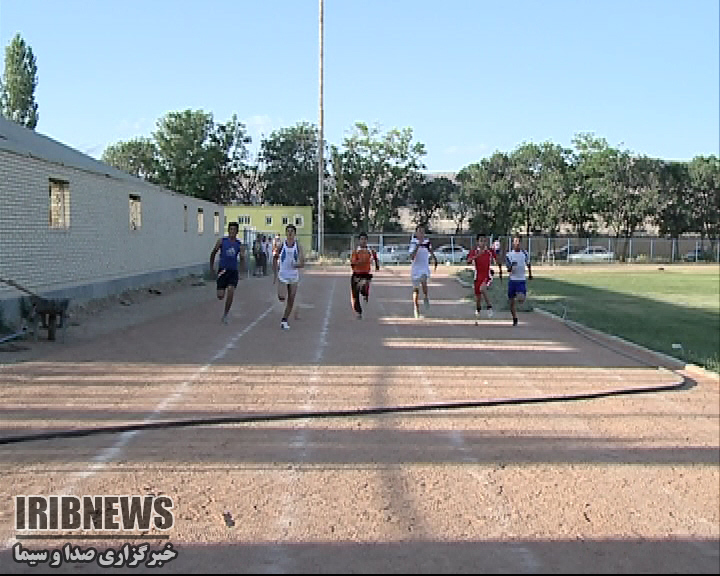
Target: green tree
point(374, 173)
point(624, 185)
point(704, 173)
point(629, 196)
point(248, 185)
point(554, 185)
point(674, 216)
point(336, 219)
point(190, 154)
point(17, 87)
point(526, 167)
point(225, 160)
point(540, 177)
point(180, 138)
point(429, 197)
point(492, 193)
point(459, 207)
point(138, 157)
point(289, 166)
point(197, 157)
point(581, 203)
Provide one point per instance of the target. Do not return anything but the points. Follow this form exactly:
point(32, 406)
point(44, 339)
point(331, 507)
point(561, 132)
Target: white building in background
point(74, 227)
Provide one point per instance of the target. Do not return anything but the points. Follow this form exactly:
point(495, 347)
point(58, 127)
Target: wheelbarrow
point(51, 313)
point(47, 313)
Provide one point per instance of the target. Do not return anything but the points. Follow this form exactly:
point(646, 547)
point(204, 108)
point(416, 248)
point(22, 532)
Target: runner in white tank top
point(287, 259)
point(420, 252)
point(287, 263)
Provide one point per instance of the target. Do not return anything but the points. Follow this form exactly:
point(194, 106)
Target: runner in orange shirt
point(361, 261)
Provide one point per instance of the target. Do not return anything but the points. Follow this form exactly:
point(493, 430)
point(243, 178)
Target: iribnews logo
point(91, 513)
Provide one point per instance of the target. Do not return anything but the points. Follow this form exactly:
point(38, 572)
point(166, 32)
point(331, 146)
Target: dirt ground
point(560, 453)
point(92, 319)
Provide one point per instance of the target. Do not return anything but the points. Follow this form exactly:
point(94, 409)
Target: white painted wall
point(99, 246)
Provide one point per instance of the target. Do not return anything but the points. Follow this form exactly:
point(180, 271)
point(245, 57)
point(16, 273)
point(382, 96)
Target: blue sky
point(470, 77)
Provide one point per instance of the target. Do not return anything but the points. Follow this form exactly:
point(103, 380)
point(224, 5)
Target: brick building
point(74, 227)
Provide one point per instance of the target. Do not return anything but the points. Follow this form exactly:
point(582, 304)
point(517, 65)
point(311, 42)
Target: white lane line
point(100, 461)
point(322, 344)
point(280, 562)
point(116, 449)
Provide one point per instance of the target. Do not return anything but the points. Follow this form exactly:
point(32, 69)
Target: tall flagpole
point(321, 163)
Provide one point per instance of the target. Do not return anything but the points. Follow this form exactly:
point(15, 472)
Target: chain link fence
point(392, 248)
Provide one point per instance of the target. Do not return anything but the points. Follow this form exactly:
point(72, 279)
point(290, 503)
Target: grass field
point(654, 306)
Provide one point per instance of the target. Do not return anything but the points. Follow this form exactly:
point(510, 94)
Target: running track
point(615, 484)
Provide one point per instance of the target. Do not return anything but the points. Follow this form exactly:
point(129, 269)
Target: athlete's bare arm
point(218, 244)
point(432, 253)
point(414, 250)
point(301, 256)
point(499, 264)
point(276, 255)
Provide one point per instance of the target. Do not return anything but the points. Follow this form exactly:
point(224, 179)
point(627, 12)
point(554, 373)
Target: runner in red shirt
point(481, 256)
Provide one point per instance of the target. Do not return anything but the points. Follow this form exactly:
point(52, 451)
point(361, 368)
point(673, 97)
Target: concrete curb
point(699, 370)
point(679, 364)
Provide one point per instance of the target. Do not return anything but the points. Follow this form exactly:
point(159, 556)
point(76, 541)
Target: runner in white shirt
point(287, 259)
point(420, 253)
point(517, 260)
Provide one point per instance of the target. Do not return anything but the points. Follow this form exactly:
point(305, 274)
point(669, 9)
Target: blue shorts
point(516, 287)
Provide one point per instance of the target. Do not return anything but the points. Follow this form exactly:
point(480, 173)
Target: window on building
point(201, 221)
point(135, 212)
point(216, 223)
point(285, 220)
point(268, 220)
point(299, 220)
point(243, 219)
point(59, 204)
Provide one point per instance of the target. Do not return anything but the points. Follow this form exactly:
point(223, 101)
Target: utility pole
point(321, 163)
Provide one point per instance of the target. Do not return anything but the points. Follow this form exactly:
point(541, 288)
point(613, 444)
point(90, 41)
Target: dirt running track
point(626, 483)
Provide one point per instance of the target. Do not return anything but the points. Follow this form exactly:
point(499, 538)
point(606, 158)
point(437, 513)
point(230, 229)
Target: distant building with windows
point(255, 220)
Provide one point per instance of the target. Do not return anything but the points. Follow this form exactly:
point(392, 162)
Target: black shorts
point(227, 278)
point(357, 278)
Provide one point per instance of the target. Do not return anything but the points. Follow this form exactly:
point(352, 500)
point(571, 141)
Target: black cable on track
point(351, 413)
point(684, 383)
